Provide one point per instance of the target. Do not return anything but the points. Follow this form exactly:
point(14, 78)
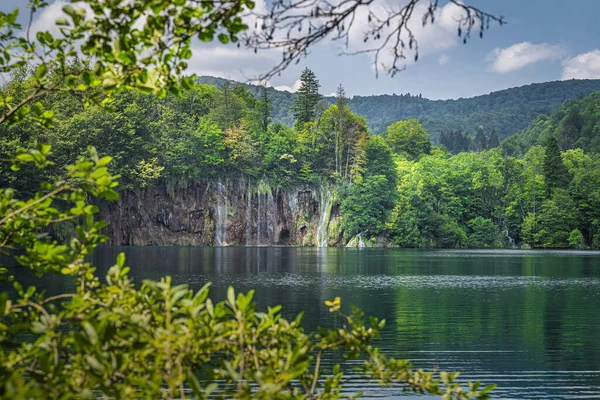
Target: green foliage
point(365, 206)
point(307, 99)
point(555, 172)
point(368, 202)
point(408, 138)
point(143, 45)
point(574, 125)
point(483, 233)
point(576, 239)
point(556, 219)
point(506, 112)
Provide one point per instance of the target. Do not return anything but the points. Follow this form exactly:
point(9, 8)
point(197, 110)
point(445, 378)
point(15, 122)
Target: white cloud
point(443, 60)
point(431, 38)
point(519, 55)
point(582, 66)
point(46, 19)
point(292, 89)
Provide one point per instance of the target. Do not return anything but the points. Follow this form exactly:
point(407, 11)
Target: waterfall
point(360, 241)
point(221, 216)
point(248, 215)
point(259, 220)
point(356, 241)
point(323, 226)
point(510, 240)
point(271, 217)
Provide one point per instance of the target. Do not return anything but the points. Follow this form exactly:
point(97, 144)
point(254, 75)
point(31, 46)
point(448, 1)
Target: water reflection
point(528, 321)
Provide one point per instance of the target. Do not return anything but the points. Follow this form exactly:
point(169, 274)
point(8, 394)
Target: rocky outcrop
point(225, 212)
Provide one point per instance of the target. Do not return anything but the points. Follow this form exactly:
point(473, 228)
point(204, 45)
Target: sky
point(543, 40)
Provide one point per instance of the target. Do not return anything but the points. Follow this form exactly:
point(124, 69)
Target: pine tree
point(480, 142)
point(307, 99)
point(555, 171)
point(494, 141)
point(445, 140)
point(265, 109)
point(340, 101)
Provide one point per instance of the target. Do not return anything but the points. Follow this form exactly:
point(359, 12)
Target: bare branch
point(295, 26)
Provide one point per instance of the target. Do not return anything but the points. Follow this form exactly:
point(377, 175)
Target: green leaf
point(41, 71)
point(231, 296)
point(110, 195)
point(90, 332)
point(121, 260)
point(223, 38)
point(104, 161)
point(69, 10)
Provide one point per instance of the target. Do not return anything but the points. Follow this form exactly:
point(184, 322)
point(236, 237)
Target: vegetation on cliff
point(396, 185)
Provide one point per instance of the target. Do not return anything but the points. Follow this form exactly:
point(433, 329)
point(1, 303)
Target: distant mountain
point(507, 111)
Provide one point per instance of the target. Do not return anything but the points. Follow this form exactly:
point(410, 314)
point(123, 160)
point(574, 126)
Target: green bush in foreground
point(160, 341)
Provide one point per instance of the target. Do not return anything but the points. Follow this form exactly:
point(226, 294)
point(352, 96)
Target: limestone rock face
point(232, 212)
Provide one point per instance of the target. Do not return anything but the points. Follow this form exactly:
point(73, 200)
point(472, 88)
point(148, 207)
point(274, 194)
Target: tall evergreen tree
point(341, 102)
point(480, 142)
point(264, 108)
point(340, 97)
point(445, 140)
point(494, 141)
point(307, 99)
point(555, 171)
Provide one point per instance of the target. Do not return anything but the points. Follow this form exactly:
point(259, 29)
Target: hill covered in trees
point(506, 112)
point(574, 125)
point(540, 189)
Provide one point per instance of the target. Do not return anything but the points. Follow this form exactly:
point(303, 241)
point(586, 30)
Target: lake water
point(526, 320)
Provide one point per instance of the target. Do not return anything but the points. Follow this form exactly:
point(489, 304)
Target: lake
point(526, 320)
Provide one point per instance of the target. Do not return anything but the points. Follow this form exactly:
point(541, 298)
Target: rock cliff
point(225, 212)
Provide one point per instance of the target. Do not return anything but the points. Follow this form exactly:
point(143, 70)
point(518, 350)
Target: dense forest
point(540, 188)
point(507, 111)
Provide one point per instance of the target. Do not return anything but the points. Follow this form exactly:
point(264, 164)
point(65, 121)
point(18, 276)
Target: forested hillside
point(575, 125)
point(507, 111)
point(540, 189)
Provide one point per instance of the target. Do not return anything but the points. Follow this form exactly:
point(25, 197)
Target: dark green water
point(528, 321)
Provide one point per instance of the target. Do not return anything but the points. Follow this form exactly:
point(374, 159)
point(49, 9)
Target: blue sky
point(542, 41)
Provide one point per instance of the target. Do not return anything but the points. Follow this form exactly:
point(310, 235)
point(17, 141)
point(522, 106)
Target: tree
point(365, 207)
point(556, 220)
point(408, 138)
point(265, 109)
point(307, 99)
point(343, 134)
point(482, 233)
point(493, 141)
point(555, 171)
point(480, 142)
point(341, 102)
point(380, 161)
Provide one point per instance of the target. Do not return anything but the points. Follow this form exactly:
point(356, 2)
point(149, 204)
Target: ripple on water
point(377, 282)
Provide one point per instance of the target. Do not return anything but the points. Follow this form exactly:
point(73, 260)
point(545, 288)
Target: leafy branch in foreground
point(161, 340)
point(143, 45)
